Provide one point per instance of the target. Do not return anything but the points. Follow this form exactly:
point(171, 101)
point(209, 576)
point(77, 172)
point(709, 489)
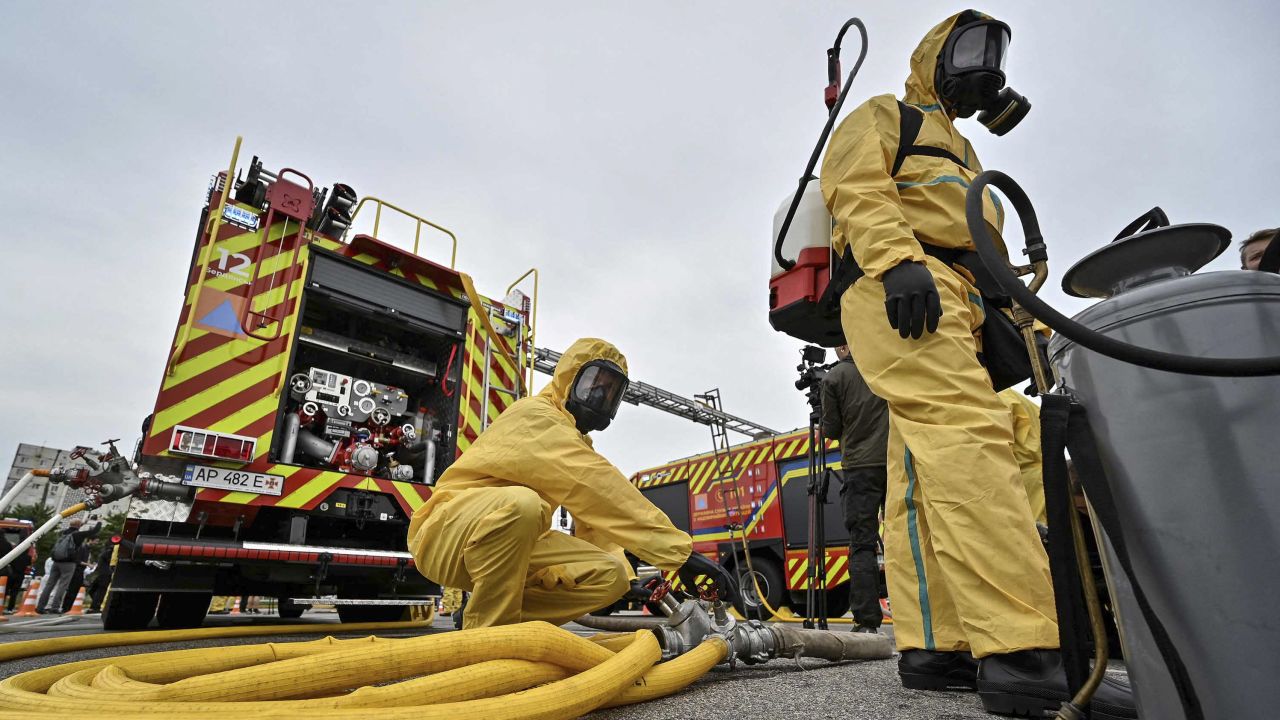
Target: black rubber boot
point(1033, 683)
point(931, 670)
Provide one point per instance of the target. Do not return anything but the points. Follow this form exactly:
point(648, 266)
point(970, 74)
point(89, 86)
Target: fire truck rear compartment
point(369, 376)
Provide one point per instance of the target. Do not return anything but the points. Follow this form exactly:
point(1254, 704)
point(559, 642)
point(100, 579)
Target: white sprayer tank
point(811, 226)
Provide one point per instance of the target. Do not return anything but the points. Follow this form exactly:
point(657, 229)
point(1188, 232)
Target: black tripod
point(811, 374)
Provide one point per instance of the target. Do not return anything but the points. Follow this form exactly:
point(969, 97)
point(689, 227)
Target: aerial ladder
point(700, 409)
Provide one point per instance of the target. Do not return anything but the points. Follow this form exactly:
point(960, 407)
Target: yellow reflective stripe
point(237, 244)
point(769, 499)
point(835, 565)
point(800, 574)
point(410, 494)
point(270, 298)
point(250, 413)
point(310, 490)
point(184, 409)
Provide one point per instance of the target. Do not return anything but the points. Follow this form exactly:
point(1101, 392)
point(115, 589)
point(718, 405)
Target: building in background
point(40, 491)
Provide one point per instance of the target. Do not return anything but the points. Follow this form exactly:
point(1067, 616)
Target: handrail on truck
point(417, 233)
point(533, 323)
point(215, 224)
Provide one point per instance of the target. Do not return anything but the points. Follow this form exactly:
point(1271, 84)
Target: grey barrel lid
point(1160, 253)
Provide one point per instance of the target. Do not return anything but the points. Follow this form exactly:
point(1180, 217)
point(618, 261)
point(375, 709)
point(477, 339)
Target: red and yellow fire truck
point(762, 487)
point(318, 383)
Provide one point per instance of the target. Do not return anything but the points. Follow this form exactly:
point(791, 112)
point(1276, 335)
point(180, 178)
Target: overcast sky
point(634, 153)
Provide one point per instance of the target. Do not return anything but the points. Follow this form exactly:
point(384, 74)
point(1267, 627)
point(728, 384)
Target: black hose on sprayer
point(834, 103)
point(1065, 326)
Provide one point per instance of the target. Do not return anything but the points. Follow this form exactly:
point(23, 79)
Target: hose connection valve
point(109, 476)
point(690, 622)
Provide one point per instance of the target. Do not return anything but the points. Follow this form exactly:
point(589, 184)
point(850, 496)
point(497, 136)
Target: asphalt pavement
point(779, 689)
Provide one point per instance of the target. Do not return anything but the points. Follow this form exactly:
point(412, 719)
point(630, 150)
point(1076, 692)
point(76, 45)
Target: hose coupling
point(751, 642)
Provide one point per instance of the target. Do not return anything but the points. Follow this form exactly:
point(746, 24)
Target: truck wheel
point(772, 586)
point(371, 613)
point(126, 610)
point(289, 610)
point(837, 601)
point(183, 609)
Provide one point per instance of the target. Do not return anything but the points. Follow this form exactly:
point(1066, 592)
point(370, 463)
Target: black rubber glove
point(721, 579)
point(911, 299)
point(640, 591)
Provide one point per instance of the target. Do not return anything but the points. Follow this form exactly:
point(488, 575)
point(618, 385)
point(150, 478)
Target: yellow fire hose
point(531, 670)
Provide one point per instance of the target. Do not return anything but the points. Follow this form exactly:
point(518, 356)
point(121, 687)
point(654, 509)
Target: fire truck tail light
point(205, 443)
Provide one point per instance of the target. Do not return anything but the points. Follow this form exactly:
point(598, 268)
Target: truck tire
point(129, 610)
point(837, 601)
point(182, 609)
point(289, 610)
point(772, 585)
point(372, 613)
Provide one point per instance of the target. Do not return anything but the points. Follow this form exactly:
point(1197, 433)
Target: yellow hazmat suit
point(965, 566)
point(1026, 448)
point(487, 526)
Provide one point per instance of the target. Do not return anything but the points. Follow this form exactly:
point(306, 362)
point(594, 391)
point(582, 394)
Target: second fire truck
point(761, 488)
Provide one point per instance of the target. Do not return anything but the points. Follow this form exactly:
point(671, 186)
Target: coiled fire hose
point(530, 670)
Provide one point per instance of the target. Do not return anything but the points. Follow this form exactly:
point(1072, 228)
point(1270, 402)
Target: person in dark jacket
point(83, 554)
point(860, 420)
point(100, 579)
point(64, 569)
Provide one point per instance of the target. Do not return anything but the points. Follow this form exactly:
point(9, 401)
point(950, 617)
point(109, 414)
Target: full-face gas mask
point(970, 76)
point(595, 395)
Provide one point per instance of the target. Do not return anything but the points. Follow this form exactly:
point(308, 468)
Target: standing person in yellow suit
point(487, 526)
point(967, 574)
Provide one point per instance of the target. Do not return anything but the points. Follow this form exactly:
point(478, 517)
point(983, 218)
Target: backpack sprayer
point(804, 293)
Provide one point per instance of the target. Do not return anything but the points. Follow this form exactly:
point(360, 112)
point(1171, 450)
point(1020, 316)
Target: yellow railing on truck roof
point(417, 233)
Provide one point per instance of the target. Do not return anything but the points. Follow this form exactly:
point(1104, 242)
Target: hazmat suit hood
point(921, 89)
point(581, 352)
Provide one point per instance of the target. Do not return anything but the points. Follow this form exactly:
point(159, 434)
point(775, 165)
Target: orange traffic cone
point(4, 597)
point(235, 605)
point(77, 607)
point(28, 608)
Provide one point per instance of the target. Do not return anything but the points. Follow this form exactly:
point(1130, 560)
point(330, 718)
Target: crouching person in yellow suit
point(487, 527)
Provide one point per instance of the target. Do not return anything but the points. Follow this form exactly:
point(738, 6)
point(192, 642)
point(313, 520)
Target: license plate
point(238, 480)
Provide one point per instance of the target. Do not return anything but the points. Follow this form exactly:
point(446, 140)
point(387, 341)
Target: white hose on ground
point(31, 539)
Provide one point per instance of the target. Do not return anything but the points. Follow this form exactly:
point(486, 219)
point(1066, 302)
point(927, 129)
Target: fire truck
point(757, 490)
point(318, 382)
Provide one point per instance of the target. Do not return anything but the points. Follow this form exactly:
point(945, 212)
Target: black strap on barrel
point(1068, 590)
point(1084, 453)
